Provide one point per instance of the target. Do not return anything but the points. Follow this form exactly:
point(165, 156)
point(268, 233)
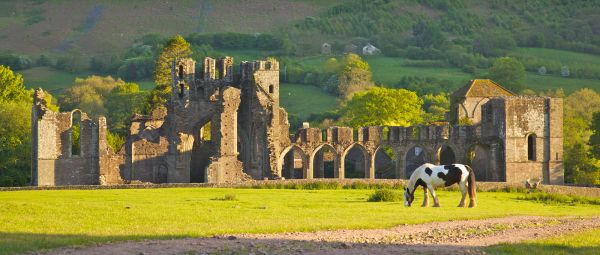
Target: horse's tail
point(472, 187)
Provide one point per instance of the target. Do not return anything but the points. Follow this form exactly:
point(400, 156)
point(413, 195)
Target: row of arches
point(356, 162)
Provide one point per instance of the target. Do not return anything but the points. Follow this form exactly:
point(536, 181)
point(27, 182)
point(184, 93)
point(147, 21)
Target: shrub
point(228, 197)
point(553, 198)
point(385, 195)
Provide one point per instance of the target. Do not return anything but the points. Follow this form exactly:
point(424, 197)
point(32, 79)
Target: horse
point(430, 176)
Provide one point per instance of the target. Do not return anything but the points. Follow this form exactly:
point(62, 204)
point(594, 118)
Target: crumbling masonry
point(222, 126)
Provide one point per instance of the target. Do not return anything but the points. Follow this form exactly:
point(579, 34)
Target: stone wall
point(512, 139)
point(54, 159)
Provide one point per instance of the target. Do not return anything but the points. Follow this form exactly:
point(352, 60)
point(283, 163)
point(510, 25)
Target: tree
point(509, 72)
point(595, 137)
point(355, 76)
point(11, 86)
point(381, 106)
point(177, 47)
point(15, 143)
point(580, 165)
point(435, 107)
point(15, 129)
point(428, 35)
point(88, 94)
point(493, 44)
point(121, 103)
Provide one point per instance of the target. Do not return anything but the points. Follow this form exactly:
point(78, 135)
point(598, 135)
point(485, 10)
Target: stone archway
point(201, 151)
point(384, 160)
point(355, 162)
point(445, 156)
point(324, 161)
point(415, 157)
point(293, 163)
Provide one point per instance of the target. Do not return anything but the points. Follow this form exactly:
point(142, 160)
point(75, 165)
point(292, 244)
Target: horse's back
point(445, 175)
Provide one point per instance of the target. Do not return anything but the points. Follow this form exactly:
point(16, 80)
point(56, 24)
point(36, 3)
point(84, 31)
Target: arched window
point(271, 89)
point(76, 133)
point(531, 147)
point(181, 89)
point(181, 72)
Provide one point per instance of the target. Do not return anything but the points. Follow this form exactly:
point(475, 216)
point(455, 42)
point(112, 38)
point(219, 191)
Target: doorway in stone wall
point(201, 151)
point(324, 162)
point(293, 163)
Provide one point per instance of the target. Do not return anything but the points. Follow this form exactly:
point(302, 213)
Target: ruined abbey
point(221, 126)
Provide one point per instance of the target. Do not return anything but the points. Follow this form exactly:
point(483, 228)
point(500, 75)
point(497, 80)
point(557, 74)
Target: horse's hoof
point(461, 205)
point(436, 205)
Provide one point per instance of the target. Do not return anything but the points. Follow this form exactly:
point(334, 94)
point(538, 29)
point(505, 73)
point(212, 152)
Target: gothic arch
point(416, 156)
point(384, 161)
point(282, 161)
point(358, 165)
point(324, 166)
point(445, 155)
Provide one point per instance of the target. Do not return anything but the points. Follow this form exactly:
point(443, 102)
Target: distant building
point(369, 49)
point(326, 49)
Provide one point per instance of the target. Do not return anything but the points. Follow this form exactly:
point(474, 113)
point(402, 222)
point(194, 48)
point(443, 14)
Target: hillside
point(94, 27)
point(445, 41)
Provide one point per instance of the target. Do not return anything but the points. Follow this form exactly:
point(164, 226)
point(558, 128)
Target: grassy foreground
point(34, 220)
point(580, 243)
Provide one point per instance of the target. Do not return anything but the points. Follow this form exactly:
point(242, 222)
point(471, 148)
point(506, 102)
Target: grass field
point(580, 243)
point(49, 78)
point(389, 71)
point(34, 220)
point(304, 100)
point(562, 56)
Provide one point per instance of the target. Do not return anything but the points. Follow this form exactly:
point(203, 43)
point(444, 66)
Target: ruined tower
point(201, 123)
point(263, 123)
point(68, 148)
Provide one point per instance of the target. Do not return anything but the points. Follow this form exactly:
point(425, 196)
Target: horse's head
point(408, 197)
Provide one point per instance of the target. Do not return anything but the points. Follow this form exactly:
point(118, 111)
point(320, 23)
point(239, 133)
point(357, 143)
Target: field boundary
point(296, 184)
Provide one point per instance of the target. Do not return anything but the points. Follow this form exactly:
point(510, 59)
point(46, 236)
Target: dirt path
point(453, 237)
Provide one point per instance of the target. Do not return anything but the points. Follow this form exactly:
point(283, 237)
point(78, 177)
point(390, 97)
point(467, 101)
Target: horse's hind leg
point(463, 190)
point(436, 201)
point(425, 198)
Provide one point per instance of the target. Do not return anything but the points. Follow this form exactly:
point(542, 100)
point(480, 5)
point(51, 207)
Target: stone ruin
point(221, 126)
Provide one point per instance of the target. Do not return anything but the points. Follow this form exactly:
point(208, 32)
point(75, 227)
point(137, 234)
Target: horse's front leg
point(436, 201)
point(425, 198)
point(463, 190)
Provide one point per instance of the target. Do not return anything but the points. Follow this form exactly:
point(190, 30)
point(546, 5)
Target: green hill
point(451, 41)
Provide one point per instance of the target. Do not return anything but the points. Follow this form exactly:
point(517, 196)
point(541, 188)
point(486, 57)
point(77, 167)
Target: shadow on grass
point(12, 243)
point(15, 243)
point(528, 248)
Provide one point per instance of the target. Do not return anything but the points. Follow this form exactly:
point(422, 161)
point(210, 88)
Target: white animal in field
point(430, 176)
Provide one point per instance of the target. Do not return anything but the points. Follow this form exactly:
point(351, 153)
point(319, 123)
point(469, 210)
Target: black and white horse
point(430, 176)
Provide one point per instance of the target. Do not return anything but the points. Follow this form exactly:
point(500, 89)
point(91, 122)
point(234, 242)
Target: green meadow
point(304, 100)
point(584, 243)
point(36, 220)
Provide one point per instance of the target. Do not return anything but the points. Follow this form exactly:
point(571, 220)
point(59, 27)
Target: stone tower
point(201, 123)
point(263, 124)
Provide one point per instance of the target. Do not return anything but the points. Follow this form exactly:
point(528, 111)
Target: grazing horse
point(430, 176)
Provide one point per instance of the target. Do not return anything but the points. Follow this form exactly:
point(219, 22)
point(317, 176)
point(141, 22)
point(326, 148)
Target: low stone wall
point(481, 186)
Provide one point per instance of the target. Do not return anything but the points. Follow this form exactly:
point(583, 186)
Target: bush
point(228, 197)
point(386, 195)
point(553, 198)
